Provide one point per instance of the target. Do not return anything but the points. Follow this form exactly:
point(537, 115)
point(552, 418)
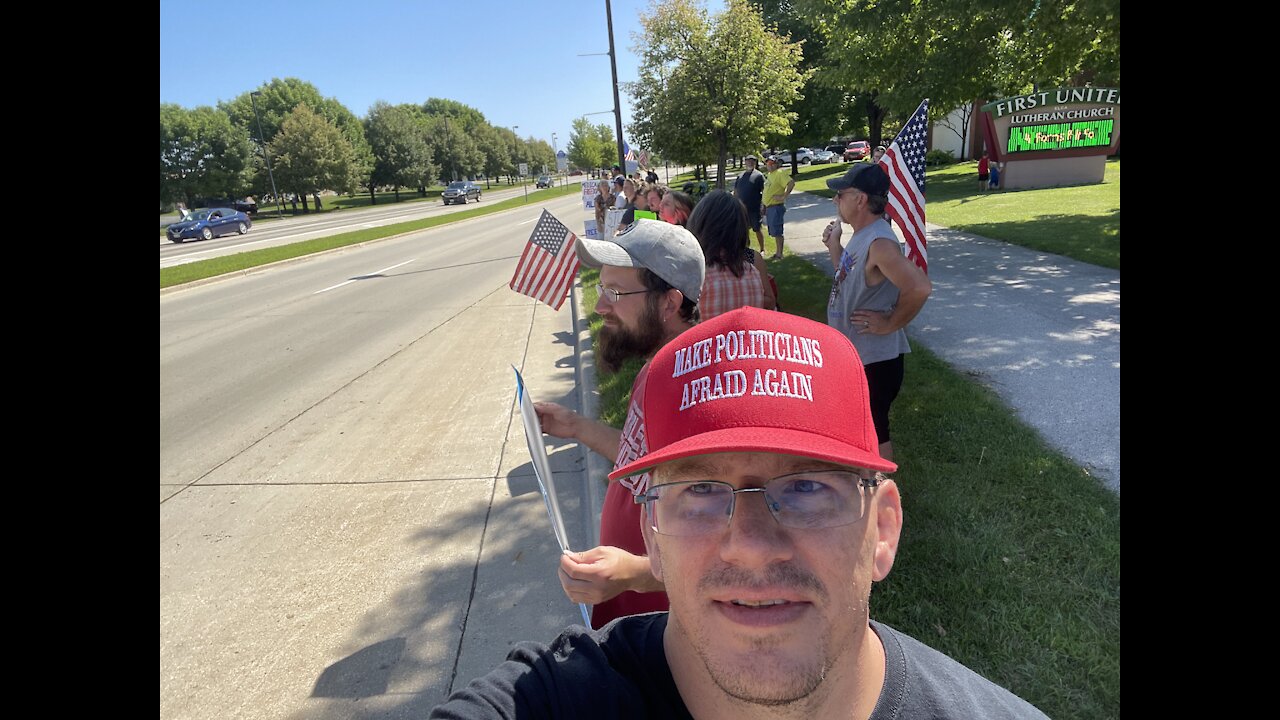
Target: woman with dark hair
point(675, 207)
point(736, 274)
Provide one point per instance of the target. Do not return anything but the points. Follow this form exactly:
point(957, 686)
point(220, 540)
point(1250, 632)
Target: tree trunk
point(305, 208)
point(294, 202)
point(422, 191)
point(316, 195)
point(373, 198)
point(723, 158)
point(397, 193)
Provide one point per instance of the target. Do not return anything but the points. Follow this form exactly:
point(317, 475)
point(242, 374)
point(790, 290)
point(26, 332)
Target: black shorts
point(884, 380)
point(982, 177)
point(753, 219)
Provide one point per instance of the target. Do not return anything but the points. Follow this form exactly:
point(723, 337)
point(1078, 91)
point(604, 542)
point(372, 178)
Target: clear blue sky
point(516, 61)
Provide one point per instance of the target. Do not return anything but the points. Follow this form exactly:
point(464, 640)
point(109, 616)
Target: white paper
point(542, 470)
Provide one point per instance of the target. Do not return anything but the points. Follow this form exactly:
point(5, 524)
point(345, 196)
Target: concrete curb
point(595, 467)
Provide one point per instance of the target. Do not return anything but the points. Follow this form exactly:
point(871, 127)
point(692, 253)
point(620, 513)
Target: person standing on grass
point(749, 188)
point(777, 188)
point(984, 173)
point(767, 518)
point(736, 276)
point(876, 290)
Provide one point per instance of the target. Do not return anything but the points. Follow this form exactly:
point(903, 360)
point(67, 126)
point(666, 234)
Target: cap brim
point(597, 253)
point(780, 441)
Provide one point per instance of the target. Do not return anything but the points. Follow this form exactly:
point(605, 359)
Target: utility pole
point(617, 107)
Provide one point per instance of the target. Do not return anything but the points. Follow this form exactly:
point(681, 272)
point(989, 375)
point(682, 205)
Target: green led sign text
point(1060, 136)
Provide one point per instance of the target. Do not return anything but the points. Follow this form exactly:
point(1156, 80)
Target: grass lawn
point(201, 269)
point(1010, 554)
point(1080, 222)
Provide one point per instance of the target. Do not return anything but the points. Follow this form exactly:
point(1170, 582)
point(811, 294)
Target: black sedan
point(209, 224)
point(461, 191)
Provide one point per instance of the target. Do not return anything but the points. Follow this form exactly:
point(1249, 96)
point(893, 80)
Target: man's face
point(632, 327)
point(655, 201)
point(847, 202)
point(770, 611)
point(751, 165)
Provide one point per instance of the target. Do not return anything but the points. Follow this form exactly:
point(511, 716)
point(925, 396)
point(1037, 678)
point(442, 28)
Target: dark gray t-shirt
point(749, 187)
point(620, 671)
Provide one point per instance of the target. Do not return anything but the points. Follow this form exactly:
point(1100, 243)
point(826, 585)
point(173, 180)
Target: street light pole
point(265, 153)
point(555, 152)
point(522, 182)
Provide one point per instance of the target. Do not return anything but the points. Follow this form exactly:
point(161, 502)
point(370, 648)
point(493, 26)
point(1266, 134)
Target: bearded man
point(650, 278)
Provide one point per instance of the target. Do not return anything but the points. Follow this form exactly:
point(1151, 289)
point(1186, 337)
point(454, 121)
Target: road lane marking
point(375, 273)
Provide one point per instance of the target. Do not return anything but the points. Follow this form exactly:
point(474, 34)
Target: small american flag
point(904, 161)
point(549, 262)
point(629, 152)
point(644, 158)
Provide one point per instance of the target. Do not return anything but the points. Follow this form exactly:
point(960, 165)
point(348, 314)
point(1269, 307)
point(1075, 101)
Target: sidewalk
point(1041, 330)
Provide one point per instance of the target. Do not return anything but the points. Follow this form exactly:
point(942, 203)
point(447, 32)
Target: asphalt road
point(349, 523)
point(272, 232)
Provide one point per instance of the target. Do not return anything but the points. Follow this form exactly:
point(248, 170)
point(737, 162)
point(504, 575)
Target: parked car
point(544, 181)
point(838, 151)
point(804, 156)
point(209, 224)
point(825, 156)
point(460, 191)
point(857, 150)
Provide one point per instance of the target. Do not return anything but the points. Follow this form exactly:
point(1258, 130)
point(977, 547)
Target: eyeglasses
point(805, 501)
point(840, 193)
point(612, 295)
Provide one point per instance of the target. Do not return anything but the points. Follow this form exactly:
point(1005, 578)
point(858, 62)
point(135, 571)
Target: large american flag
point(904, 161)
point(549, 262)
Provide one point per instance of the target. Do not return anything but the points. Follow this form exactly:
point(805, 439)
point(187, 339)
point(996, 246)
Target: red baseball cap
point(756, 380)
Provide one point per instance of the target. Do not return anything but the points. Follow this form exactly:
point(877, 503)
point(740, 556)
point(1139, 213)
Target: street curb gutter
point(595, 468)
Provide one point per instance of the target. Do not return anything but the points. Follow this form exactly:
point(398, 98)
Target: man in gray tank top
point(876, 291)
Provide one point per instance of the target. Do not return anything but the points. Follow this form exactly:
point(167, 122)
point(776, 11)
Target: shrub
point(939, 158)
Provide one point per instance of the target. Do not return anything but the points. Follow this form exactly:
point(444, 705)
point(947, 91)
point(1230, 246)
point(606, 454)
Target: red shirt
point(620, 518)
point(982, 166)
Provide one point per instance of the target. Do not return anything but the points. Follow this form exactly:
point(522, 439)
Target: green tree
point(497, 148)
point(711, 86)
point(898, 52)
point(583, 148)
point(456, 152)
point(311, 154)
point(539, 155)
point(201, 153)
point(278, 98)
point(402, 155)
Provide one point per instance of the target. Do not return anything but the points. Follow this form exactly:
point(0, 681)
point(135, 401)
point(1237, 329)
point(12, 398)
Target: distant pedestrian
point(749, 188)
point(620, 197)
point(777, 188)
point(984, 174)
point(736, 275)
point(877, 154)
point(994, 184)
point(602, 204)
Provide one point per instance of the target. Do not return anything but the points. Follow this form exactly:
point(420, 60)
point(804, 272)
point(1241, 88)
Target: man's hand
point(557, 420)
point(832, 233)
point(602, 573)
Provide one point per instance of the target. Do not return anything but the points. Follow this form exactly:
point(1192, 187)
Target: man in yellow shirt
point(778, 184)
